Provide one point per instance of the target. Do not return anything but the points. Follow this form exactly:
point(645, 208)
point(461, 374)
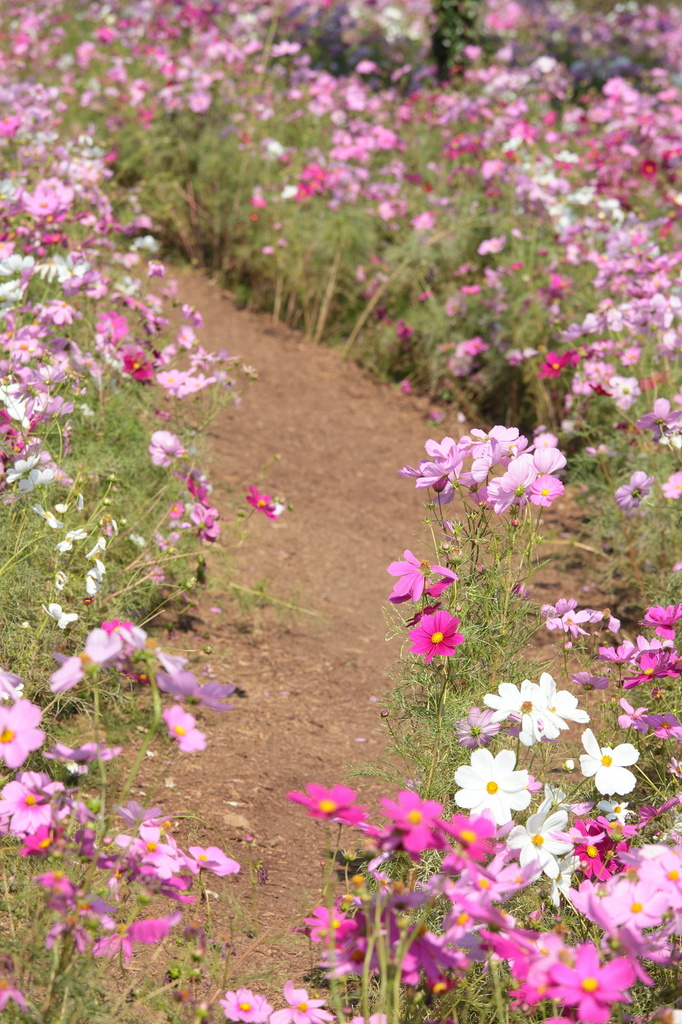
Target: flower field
point(502, 239)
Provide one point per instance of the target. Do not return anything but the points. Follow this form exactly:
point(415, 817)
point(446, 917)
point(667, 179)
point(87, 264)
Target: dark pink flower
point(590, 987)
point(414, 579)
point(264, 503)
point(436, 634)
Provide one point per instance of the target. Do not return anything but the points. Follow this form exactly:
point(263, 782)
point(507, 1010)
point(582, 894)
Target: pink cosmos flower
point(633, 717)
point(663, 619)
point(436, 634)
point(150, 931)
point(26, 800)
point(213, 859)
point(301, 1009)
point(554, 364)
point(473, 833)
point(245, 1005)
point(335, 804)
point(19, 733)
point(672, 488)
point(413, 580)
point(136, 363)
point(492, 245)
point(510, 489)
point(181, 727)
point(9, 991)
point(164, 447)
point(264, 503)
point(416, 822)
point(589, 986)
point(545, 490)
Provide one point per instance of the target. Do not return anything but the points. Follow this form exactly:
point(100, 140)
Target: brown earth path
point(310, 682)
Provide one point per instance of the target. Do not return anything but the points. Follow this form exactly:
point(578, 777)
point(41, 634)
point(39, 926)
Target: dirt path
point(310, 683)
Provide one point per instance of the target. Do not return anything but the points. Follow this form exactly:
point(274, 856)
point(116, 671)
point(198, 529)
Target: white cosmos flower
point(615, 811)
point(99, 546)
point(93, 580)
point(35, 478)
point(49, 517)
point(561, 885)
point(526, 704)
point(491, 784)
point(20, 467)
point(541, 840)
point(561, 704)
point(609, 765)
point(62, 618)
point(69, 538)
point(60, 580)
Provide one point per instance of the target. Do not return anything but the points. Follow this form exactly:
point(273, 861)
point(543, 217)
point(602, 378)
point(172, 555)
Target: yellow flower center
point(607, 761)
point(483, 883)
point(463, 918)
point(492, 787)
point(538, 840)
point(589, 985)
point(544, 492)
point(245, 1006)
point(527, 707)
point(7, 735)
point(202, 856)
point(179, 730)
point(30, 800)
point(467, 836)
point(591, 851)
point(302, 1007)
point(151, 847)
point(637, 908)
point(437, 637)
point(414, 817)
point(674, 875)
point(327, 806)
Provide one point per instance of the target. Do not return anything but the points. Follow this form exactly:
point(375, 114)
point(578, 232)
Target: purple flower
point(184, 686)
point(630, 495)
point(660, 418)
point(477, 729)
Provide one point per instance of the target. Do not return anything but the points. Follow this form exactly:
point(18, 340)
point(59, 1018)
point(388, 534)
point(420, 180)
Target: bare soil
point(310, 682)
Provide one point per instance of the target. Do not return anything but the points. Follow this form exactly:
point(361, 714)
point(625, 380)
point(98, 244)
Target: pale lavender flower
point(477, 729)
point(630, 495)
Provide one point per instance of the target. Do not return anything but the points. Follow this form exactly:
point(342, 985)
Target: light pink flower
point(245, 1005)
point(164, 447)
point(213, 859)
point(19, 732)
point(301, 1009)
point(182, 727)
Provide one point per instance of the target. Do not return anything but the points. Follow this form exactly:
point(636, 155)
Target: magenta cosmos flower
point(182, 727)
point(245, 1005)
point(416, 823)
point(301, 1009)
point(19, 734)
point(436, 634)
point(335, 804)
point(589, 986)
